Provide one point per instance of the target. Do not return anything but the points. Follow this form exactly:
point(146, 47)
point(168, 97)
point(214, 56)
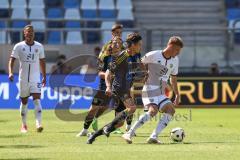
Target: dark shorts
point(101, 99)
point(119, 98)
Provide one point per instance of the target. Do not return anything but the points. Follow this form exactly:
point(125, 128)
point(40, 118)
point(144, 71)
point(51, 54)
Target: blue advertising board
point(80, 93)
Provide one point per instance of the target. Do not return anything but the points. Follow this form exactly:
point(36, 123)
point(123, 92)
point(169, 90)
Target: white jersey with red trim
point(29, 69)
point(159, 71)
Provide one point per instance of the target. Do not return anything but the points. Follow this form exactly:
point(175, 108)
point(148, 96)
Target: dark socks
point(129, 119)
point(88, 121)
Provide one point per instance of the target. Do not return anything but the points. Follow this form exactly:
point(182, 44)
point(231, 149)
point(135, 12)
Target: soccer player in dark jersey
point(100, 102)
point(120, 87)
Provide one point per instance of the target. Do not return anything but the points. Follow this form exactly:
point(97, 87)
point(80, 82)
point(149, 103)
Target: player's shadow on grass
point(21, 146)
point(3, 121)
point(11, 136)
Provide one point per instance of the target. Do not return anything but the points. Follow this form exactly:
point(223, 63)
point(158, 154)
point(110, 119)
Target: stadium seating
point(72, 24)
point(53, 3)
point(4, 13)
point(38, 25)
point(74, 37)
point(106, 36)
point(37, 13)
point(2, 37)
point(4, 4)
point(3, 24)
point(54, 37)
point(55, 13)
point(50, 14)
point(19, 4)
point(19, 13)
point(36, 4)
point(71, 4)
point(233, 13)
point(89, 8)
point(72, 13)
point(124, 4)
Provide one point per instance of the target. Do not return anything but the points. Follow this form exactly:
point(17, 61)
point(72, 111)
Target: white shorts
point(26, 88)
point(160, 101)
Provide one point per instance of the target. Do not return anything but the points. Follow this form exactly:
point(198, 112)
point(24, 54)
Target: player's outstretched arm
point(10, 68)
point(108, 76)
point(43, 70)
point(175, 89)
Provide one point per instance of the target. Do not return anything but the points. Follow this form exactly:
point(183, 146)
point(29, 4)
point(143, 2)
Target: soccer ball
point(177, 134)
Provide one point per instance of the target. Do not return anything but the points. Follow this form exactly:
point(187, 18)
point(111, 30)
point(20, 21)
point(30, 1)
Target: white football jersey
point(28, 56)
point(159, 71)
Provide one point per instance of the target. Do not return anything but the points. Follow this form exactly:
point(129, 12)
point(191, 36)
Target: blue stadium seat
point(93, 37)
point(72, 13)
point(19, 24)
point(233, 13)
point(92, 24)
point(237, 38)
point(37, 13)
point(36, 4)
point(4, 13)
point(19, 4)
point(107, 25)
point(4, 4)
point(3, 24)
point(89, 4)
point(107, 13)
point(55, 13)
point(106, 4)
point(54, 37)
point(39, 26)
point(74, 38)
point(72, 24)
point(125, 14)
point(2, 37)
point(19, 13)
point(89, 13)
point(106, 36)
point(40, 37)
point(231, 3)
point(53, 3)
point(15, 36)
point(124, 4)
point(71, 4)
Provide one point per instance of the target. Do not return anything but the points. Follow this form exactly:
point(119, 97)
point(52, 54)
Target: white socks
point(142, 119)
point(163, 122)
point(23, 113)
point(38, 112)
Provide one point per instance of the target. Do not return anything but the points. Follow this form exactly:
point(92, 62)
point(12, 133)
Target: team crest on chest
point(36, 50)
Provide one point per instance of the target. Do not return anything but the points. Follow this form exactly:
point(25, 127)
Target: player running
point(30, 54)
point(161, 64)
point(119, 88)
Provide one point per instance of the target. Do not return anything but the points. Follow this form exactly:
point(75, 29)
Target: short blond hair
point(176, 40)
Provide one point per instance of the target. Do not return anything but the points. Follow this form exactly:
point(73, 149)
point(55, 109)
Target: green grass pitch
point(210, 134)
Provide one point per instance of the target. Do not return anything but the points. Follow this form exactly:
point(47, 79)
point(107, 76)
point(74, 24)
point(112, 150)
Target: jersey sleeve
point(41, 54)
point(175, 69)
point(147, 58)
point(15, 52)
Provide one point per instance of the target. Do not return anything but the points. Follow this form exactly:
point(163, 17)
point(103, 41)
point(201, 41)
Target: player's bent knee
point(169, 109)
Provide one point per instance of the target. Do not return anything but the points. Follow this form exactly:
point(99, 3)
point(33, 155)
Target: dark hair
point(133, 38)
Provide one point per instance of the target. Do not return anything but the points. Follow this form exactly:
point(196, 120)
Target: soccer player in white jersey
point(31, 58)
point(160, 65)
